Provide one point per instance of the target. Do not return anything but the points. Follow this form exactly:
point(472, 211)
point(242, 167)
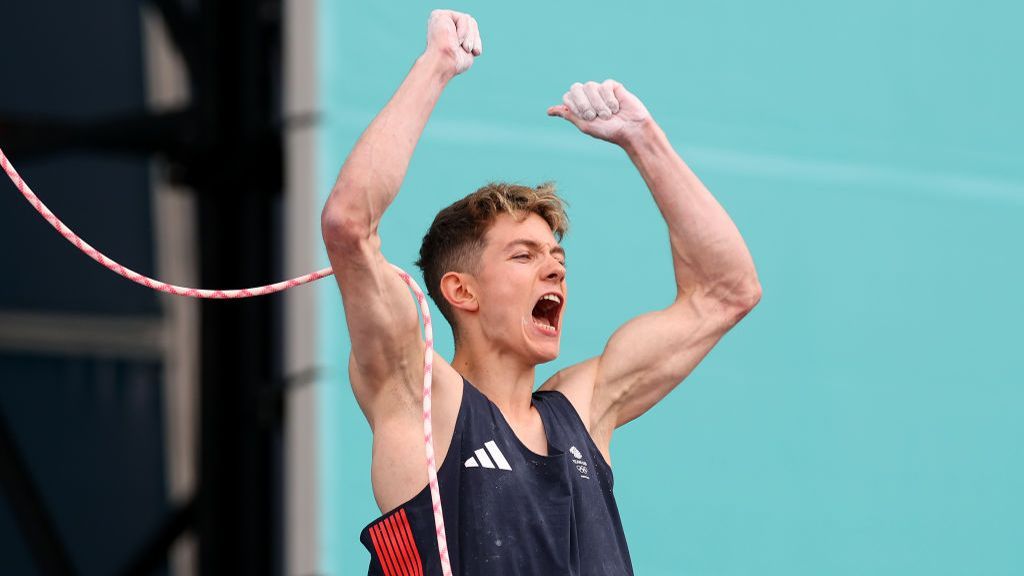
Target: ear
point(459, 291)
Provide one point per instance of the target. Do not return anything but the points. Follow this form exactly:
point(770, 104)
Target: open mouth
point(546, 312)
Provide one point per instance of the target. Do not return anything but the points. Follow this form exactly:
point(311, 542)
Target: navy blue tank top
point(507, 510)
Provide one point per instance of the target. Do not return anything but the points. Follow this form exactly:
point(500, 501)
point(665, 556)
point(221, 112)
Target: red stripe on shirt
point(411, 541)
point(400, 534)
point(399, 553)
point(378, 547)
point(399, 542)
point(396, 553)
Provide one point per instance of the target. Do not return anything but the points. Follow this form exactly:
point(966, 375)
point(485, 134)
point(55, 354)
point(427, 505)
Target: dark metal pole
point(236, 187)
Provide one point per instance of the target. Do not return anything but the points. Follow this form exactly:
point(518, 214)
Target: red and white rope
point(428, 434)
point(428, 334)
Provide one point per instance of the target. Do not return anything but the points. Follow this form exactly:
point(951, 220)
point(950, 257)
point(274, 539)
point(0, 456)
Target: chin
point(546, 359)
point(548, 355)
point(545, 346)
point(543, 355)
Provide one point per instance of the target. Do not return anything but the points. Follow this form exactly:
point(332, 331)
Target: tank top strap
point(561, 421)
point(565, 428)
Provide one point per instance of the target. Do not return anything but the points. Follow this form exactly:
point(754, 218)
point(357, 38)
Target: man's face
point(521, 288)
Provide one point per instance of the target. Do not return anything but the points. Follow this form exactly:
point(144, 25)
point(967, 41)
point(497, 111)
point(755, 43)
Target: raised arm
point(716, 281)
point(381, 316)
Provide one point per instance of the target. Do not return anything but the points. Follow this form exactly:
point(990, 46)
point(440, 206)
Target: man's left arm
point(716, 282)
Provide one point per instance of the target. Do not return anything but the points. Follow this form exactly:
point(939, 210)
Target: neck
point(505, 380)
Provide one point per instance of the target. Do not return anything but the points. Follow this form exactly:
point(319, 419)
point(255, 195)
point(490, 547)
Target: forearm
point(709, 254)
point(375, 168)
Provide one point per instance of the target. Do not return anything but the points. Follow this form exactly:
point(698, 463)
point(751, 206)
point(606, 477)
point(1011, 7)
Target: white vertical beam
point(302, 234)
point(174, 217)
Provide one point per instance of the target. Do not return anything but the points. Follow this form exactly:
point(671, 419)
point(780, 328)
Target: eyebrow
point(534, 246)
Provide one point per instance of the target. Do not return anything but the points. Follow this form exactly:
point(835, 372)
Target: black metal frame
point(226, 145)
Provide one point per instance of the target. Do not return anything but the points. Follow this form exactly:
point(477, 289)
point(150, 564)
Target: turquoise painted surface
point(866, 417)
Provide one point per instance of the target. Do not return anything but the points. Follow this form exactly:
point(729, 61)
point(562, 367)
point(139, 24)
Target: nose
point(555, 270)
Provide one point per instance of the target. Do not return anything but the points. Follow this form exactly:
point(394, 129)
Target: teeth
point(545, 327)
point(552, 297)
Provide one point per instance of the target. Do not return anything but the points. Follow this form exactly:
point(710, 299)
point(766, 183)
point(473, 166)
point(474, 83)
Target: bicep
point(650, 355)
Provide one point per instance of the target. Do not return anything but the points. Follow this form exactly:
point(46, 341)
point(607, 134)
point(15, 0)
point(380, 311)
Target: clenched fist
point(454, 37)
point(607, 110)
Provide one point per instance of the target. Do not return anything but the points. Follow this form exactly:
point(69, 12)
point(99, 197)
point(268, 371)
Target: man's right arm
point(382, 318)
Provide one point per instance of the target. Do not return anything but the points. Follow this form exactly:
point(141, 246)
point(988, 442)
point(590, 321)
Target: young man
point(525, 477)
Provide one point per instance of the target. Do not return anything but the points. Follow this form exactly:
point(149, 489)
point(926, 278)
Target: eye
point(521, 256)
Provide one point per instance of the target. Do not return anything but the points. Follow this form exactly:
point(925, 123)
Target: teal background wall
point(866, 417)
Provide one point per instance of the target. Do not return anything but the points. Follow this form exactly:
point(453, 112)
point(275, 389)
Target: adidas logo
point(495, 460)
